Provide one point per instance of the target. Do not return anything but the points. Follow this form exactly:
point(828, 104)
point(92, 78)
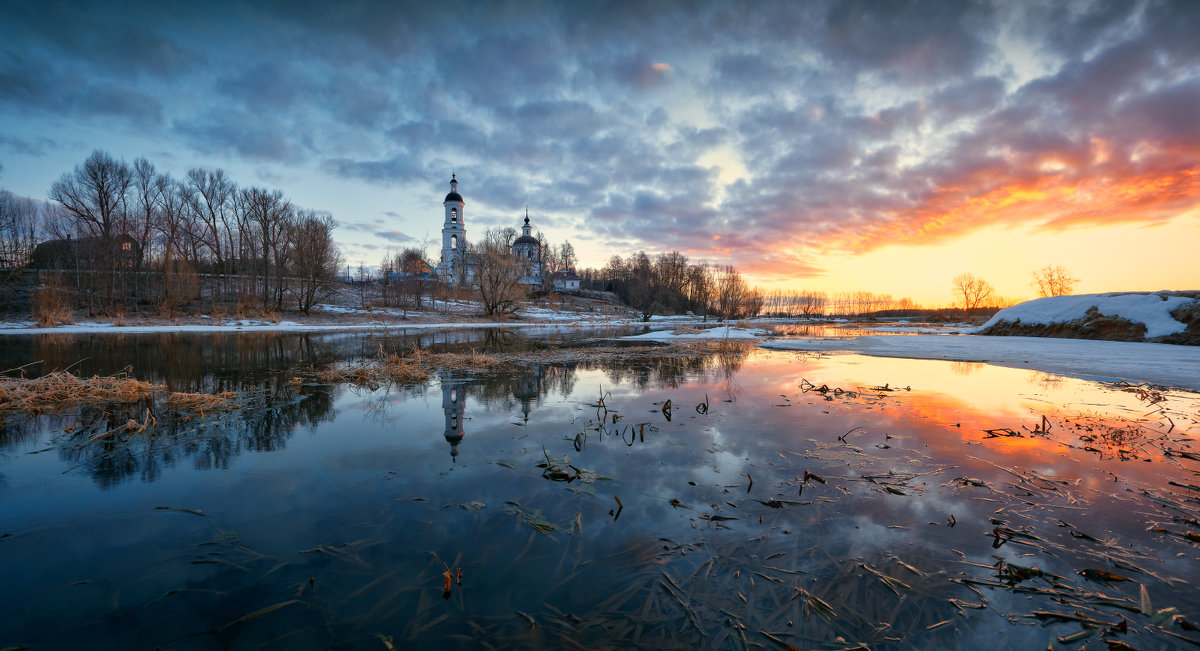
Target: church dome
point(525, 239)
point(454, 195)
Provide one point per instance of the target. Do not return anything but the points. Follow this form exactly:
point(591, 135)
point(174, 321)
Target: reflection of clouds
point(384, 482)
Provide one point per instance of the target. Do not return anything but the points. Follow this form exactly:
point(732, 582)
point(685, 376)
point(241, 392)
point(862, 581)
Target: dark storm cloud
point(849, 123)
point(93, 36)
point(387, 171)
point(266, 87)
point(119, 100)
point(239, 134)
point(921, 41)
point(35, 146)
point(501, 68)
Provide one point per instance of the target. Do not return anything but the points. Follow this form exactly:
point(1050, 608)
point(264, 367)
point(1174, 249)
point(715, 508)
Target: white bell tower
point(454, 236)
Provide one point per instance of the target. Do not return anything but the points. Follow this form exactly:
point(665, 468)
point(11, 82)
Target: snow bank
point(1091, 359)
point(1152, 310)
point(724, 332)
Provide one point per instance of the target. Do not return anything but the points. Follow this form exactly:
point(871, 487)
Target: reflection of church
point(454, 406)
point(525, 389)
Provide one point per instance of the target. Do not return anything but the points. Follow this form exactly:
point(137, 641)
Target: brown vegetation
point(51, 305)
point(201, 403)
point(61, 390)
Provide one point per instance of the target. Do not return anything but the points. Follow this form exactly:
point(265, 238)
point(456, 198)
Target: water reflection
point(330, 515)
point(454, 406)
point(95, 441)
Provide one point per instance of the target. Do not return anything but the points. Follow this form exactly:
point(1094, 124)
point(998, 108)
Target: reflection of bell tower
point(454, 405)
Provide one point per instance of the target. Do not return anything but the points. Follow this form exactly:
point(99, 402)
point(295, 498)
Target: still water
point(788, 499)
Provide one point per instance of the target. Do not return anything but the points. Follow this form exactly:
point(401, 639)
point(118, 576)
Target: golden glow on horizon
point(1123, 257)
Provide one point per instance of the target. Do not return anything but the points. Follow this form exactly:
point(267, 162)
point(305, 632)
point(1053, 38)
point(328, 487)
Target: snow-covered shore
point(1079, 314)
point(1154, 363)
point(1164, 364)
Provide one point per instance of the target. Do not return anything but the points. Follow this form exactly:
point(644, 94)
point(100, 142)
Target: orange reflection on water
point(946, 408)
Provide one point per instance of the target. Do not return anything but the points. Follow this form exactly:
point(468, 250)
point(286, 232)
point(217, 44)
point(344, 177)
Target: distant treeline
point(669, 284)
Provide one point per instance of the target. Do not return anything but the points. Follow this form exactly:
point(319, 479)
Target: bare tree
point(497, 272)
point(1053, 280)
point(701, 289)
point(732, 293)
point(268, 216)
point(970, 291)
point(211, 200)
point(642, 289)
point(566, 255)
point(95, 195)
point(18, 234)
point(315, 260)
point(18, 229)
point(414, 272)
point(95, 199)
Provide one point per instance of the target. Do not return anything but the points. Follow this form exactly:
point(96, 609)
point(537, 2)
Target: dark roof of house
point(564, 274)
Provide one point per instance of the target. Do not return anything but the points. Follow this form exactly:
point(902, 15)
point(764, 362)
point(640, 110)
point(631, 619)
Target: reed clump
point(201, 403)
point(414, 366)
point(61, 389)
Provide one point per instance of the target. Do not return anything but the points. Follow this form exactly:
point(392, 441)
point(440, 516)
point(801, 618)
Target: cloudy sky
point(884, 146)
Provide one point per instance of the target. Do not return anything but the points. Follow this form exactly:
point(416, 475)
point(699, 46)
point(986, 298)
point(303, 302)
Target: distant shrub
point(51, 302)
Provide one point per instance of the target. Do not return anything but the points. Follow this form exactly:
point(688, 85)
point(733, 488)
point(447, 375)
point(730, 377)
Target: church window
point(453, 395)
point(453, 241)
point(454, 422)
point(454, 215)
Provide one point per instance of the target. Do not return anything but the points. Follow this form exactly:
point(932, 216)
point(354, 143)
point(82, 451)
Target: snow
point(27, 327)
point(1151, 309)
point(724, 332)
point(1164, 364)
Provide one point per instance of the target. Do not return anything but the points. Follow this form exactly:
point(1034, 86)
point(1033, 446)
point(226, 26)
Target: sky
point(829, 146)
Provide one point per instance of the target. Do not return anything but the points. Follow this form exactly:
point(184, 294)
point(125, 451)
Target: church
point(454, 268)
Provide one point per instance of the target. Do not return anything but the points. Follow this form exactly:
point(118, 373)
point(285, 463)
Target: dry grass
point(64, 390)
point(60, 390)
point(413, 367)
point(200, 403)
point(51, 303)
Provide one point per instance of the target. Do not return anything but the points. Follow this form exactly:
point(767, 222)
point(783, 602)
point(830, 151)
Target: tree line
point(127, 237)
